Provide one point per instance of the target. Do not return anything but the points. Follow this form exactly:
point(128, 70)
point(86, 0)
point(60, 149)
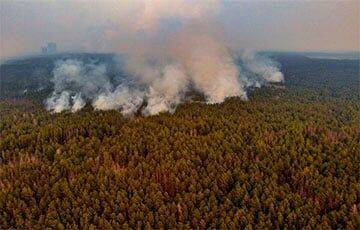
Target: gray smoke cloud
point(124, 98)
point(169, 47)
point(257, 70)
point(76, 82)
point(263, 66)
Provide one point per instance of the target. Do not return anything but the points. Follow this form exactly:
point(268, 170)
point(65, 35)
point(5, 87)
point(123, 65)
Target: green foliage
point(284, 159)
point(287, 158)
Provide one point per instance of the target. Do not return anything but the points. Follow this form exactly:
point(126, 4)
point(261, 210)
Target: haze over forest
point(179, 114)
point(261, 25)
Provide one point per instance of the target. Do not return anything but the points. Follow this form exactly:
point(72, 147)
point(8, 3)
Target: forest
point(289, 157)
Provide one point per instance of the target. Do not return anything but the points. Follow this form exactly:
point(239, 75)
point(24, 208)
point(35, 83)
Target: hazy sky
point(326, 25)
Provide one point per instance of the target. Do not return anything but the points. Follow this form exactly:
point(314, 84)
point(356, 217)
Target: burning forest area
point(184, 114)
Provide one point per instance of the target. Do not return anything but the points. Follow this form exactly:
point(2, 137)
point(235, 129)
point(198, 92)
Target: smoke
point(74, 83)
point(58, 103)
point(78, 102)
point(257, 70)
point(169, 48)
point(262, 66)
point(124, 98)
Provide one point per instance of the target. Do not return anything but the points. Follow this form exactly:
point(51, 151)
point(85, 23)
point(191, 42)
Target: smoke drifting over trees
point(169, 47)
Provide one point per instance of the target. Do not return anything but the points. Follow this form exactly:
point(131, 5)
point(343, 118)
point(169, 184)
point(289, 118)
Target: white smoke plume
point(124, 98)
point(59, 102)
point(169, 47)
point(263, 66)
point(76, 82)
point(78, 102)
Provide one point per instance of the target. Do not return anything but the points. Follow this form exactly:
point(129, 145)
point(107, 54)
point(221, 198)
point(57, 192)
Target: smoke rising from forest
point(169, 49)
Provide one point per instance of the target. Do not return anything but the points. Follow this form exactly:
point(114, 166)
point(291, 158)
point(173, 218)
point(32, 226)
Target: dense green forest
point(287, 158)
